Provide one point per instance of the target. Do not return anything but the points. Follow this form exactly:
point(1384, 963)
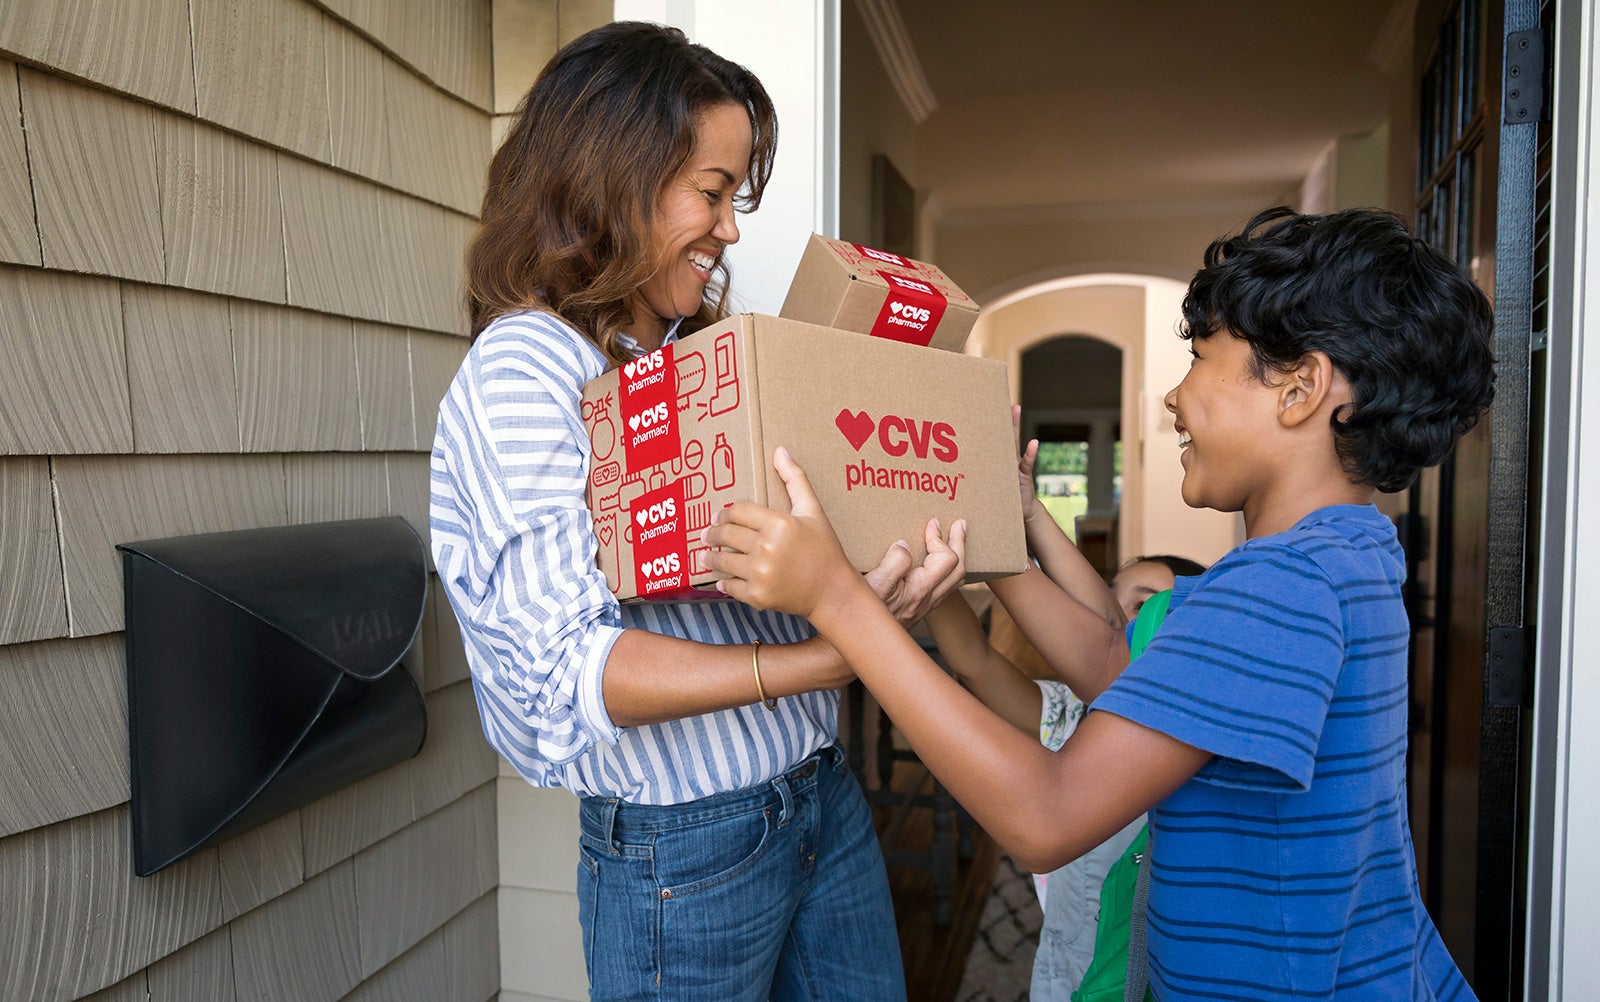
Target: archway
point(1138, 315)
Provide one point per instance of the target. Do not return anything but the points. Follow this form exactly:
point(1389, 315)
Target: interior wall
point(230, 257)
point(872, 120)
point(1138, 314)
point(1008, 251)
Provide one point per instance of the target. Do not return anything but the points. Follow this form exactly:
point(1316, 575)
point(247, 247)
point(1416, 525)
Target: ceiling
point(1066, 105)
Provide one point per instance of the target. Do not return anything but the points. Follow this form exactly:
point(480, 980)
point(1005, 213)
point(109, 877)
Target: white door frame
point(793, 47)
point(1564, 869)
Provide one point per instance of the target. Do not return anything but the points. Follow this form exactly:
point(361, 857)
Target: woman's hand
point(793, 562)
point(911, 592)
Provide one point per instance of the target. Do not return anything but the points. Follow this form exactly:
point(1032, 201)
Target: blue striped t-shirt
point(1285, 868)
point(515, 547)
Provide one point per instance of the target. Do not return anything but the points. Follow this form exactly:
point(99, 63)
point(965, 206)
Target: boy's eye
point(1139, 605)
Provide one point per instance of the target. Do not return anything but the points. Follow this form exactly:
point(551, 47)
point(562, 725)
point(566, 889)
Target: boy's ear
point(1305, 388)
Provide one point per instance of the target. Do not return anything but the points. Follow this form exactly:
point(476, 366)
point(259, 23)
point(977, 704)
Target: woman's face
point(694, 221)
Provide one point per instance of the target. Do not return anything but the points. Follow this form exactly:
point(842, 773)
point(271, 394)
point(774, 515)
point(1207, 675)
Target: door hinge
point(1507, 684)
point(1522, 89)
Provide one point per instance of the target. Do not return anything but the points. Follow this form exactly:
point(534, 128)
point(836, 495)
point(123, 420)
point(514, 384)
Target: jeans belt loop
point(781, 784)
point(608, 824)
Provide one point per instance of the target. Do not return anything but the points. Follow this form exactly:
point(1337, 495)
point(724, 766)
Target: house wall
point(230, 247)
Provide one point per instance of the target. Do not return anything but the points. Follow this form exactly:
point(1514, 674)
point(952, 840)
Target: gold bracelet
point(755, 662)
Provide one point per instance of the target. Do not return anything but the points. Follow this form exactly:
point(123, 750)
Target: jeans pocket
point(588, 859)
point(695, 859)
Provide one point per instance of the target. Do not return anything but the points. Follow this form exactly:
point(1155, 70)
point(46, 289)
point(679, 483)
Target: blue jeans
point(775, 892)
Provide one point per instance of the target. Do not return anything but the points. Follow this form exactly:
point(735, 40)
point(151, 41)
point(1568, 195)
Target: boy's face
point(1226, 420)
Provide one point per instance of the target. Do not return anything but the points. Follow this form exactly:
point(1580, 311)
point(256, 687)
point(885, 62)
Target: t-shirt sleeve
point(1244, 668)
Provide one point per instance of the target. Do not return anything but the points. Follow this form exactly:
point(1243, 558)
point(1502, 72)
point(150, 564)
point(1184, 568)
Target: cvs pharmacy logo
point(666, 565)
point(909, 312)
point(650, 417)
point(887, 257)
point(657, 513)
point(911, 285)
point(645, 364)
point(898, 435)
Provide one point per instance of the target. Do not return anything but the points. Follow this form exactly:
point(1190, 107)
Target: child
point(1265, 727)
point(1051, 710)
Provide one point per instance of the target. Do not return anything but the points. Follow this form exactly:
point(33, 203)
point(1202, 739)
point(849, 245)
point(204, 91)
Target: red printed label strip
point(646, 403)
point(660, 542)
point(911, 311)
point(884, 257)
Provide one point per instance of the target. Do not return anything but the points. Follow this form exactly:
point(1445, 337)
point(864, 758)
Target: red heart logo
point(856, 425)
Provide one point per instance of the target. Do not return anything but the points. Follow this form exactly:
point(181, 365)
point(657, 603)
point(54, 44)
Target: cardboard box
point(855, 288)
point(890, 436)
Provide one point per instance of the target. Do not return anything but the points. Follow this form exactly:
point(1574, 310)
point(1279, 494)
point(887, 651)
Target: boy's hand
point(791, 563)
point(1025, 463)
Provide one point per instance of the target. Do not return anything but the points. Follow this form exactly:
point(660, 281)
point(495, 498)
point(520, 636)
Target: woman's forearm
point(650, 678)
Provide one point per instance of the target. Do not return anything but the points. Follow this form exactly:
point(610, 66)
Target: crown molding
point(889, 36)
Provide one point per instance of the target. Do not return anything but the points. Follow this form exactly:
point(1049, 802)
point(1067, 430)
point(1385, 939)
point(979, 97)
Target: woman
point(726, 851)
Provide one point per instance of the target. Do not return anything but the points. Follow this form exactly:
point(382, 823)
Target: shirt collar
point(629, 343)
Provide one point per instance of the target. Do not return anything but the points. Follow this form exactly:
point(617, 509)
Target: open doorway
point(1072, 403)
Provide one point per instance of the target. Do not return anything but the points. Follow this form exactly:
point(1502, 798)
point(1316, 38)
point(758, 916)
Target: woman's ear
point(1306, 388)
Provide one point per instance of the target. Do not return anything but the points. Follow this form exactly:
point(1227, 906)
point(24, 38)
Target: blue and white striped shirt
point(515, 548)
point(1284, 868)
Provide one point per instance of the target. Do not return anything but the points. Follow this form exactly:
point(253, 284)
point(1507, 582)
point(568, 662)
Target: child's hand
point(792, 562)
point(1030, 455)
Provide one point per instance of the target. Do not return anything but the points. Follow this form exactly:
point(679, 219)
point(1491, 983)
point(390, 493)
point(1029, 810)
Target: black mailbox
point(266, 668)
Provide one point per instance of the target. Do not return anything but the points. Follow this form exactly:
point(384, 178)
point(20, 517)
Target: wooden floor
point(935, 956)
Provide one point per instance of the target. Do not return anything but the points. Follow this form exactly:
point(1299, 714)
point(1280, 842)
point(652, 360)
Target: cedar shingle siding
point(230, 253)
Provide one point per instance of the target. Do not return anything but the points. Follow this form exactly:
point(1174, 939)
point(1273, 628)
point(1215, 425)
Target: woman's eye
point(713, 196)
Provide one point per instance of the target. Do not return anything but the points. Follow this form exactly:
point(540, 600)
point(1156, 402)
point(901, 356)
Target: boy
point(1265, 727)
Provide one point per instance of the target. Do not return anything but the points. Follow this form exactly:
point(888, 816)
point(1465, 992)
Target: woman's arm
point(514, 546)
point(987, 673)
point(646, 682)
point(1044, 807)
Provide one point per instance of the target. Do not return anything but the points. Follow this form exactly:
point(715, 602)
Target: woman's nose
point(1171, 400)
point(727, 228)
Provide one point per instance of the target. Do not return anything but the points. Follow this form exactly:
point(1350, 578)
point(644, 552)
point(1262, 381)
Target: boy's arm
point(1044, 807)
point(988, 674)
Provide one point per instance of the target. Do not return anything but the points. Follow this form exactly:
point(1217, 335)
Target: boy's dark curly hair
point(1409, 330)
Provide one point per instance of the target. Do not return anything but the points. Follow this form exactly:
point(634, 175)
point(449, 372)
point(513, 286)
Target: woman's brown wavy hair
point(572, 191)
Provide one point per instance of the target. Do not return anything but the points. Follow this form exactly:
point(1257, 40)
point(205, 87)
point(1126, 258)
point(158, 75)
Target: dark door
point(1479, 198)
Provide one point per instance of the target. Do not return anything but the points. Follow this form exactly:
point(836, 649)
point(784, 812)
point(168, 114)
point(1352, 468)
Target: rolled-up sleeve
point(514, 543)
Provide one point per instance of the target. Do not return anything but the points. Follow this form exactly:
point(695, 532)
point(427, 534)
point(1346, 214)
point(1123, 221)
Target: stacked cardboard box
point(890, 435)
point(856, 288)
